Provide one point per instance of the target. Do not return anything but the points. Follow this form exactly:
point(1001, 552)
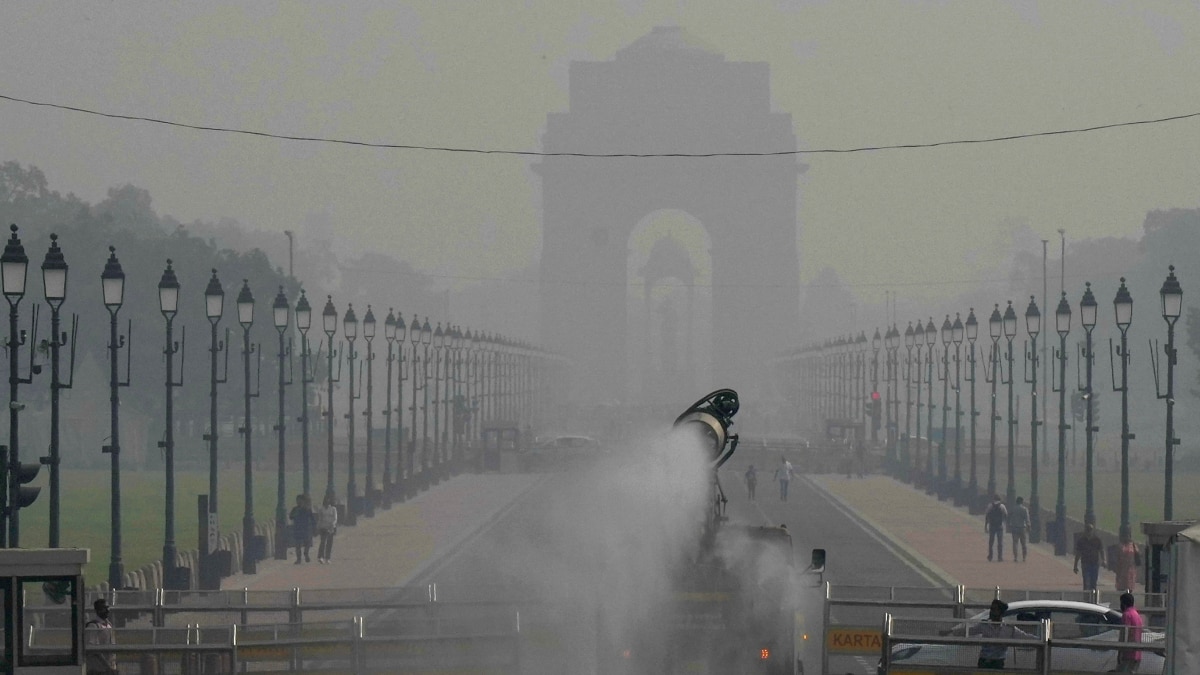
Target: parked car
point(1070, 620)
point(550, 453)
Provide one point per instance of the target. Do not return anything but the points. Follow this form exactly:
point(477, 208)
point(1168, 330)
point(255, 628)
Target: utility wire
point(631, 155)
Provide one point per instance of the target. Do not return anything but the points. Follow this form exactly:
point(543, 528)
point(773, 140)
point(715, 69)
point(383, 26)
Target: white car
point(1070, 620)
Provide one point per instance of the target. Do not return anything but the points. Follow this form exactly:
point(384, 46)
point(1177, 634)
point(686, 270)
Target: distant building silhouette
point(667, 93)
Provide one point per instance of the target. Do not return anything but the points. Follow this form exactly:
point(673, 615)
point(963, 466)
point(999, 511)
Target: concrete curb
point(440, 558)
point(918, 562)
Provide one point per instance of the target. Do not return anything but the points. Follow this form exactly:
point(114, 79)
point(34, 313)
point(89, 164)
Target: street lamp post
point(930, 341)
point(303, 323)
point(1062, 324)
point(1010, 332)
point(1087, 319)
point(113, 285)
point(909, 341)
point(995, 330)
point(410, 460)
point(214, 306)
point(892, 343)
point(426, 338)
point(54, 283)
point(918, 342)
point(350, 330)
point(943, 481)
point(389, 335)
point(1171, 294)
point(13, 267)
point(876, 343)
point(1033, 325)
point(1123, 308)
point(398, 476)
point(438, 342)
point(956, 336)
point(245, 310)
point(280, 314)
point(369, 495)
point(168, 304)
point(972, 330)
point(329, 326)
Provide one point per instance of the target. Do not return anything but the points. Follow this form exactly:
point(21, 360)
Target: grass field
point(86, 511)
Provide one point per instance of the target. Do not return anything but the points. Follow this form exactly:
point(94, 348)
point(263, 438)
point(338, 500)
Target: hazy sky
point(485, 74)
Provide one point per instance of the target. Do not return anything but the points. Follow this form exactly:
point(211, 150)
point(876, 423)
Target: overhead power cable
point(598, 155)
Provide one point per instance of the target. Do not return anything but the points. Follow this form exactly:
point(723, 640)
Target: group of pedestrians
point(1089, 548)
point(306, 521)
point(992, 656)
point(996, 519)
point(783, 474)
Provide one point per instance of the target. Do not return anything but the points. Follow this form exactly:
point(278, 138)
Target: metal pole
point(281, 524)
point(330, 491)
point(351, 487)
point(1089, 514)
point(13, 459)
point(943, 480)
point(958, 485)
point(1169, 455)
point(1010, 493)
point(1035, 511)
point(994, 357)
point(973, 486)
point(116, 569)
point(369, 413)
point(168, 559)
point(931, 487)
point(412, 449)
point(305, 380)
point(1125, 532)
point(387, 429)
point(249, 565)
point(1060, 506)
point(55, 386)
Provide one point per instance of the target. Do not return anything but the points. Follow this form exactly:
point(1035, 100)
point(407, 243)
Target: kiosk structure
point(43, 611)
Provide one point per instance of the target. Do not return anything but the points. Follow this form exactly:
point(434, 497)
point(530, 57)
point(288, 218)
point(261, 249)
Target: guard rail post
point(158, 614)
point(1044, 649)
point(245, 601)
point(357, 666)
point(295, 615)
point(825, 617)
point(960, 602)
point(886, 657)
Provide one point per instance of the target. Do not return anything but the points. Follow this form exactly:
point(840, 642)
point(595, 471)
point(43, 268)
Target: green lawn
point(86, 511)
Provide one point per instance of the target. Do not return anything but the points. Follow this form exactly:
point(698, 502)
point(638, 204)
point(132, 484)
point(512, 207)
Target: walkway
point(946, 540)
point(399, 544)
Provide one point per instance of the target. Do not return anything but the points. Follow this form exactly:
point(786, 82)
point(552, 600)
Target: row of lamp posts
point(831, 382)
point(483, 376)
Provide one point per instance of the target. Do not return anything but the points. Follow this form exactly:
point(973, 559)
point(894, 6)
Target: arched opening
point(668, 308)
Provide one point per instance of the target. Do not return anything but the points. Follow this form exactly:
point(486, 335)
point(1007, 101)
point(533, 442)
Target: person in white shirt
point(327, 519)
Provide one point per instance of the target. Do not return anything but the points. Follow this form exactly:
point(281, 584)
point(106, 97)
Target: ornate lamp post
point(1033, 325)
point(956, 336)
point(112, 281)
point(918, 342)
point(303, 323)
point(350, 330)
point(245, 310)
point(398, 476)
point(389, 334)
point(54, 283)
point(995, 328)
point(1087, 319)
point(369, 495)
point(426, 339)
point(1010, 332)
point(930, 341)
point(906, 448)
point(876, 343)
point(1123, 308)
point(168, 304)
point(1171, 294)
point(280, 314)
point(329, 325)
point(214, 306)
point(972, 332)
point(943, 481)
point(1062, 325)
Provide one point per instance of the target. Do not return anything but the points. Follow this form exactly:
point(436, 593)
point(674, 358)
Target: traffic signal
point(25, 495)
point(876, 408)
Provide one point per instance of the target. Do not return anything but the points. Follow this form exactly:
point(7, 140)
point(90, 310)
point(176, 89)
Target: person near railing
point(327, 520)
point(1128, 660)
point(99, 632)
point(992, 656)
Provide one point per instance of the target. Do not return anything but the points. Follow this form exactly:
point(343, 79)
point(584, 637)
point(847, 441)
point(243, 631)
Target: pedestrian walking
point(302, 527)
point(1018, 527)
point(1129, 660)
point(751, 481)
point(1129, 559)
point(99, 633)
point(993, 525)
point(327, 520)
point(1089, 551)
point(992, 656)
point(784, 475)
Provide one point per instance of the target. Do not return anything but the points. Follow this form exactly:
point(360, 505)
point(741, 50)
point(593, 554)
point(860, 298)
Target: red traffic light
point(874, 396)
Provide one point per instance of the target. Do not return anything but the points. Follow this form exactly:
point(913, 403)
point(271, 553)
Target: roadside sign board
point(854, 640)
